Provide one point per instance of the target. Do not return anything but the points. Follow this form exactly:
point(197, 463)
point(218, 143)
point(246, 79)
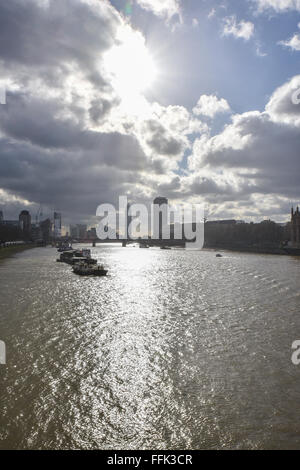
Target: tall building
point(93, 234)
point(25, 223)
point(128, 221)
point(82, 229)
point(78, 231)
point(295, 228)
point(160, 201)
point(45, 227)
point(74, 232)
point(161, 221)
point(57, 225)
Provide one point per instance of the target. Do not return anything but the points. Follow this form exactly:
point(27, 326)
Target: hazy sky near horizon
point(188, 99)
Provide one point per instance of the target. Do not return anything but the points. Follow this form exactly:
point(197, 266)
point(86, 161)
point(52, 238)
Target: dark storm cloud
point(261, 154)
point(26, 118)
point(48, 152)
point(76, 185)
point(161, 141)
point(173, 184)
point(100, 108)
point(269, 145)
point(204, 186)
point(66, 30)
point(253, 163)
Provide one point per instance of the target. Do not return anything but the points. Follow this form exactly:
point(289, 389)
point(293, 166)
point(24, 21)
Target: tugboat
point(64, 248)
point(219, 255)
point(79, 259)
point(165, 248)
point(83, 269)
point(77, 256)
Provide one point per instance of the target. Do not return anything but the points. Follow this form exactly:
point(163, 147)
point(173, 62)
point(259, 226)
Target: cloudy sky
point(188, 99)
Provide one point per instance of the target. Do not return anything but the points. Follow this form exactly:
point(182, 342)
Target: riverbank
point(8, 251)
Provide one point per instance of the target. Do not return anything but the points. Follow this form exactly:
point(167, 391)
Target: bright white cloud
point(278, 5)
point(293, 42)
point(210, 105)
point(129, 64)
point(281, 107)
point(162, 8)
point(212, 13)
point(242, 29)
point(257, 154)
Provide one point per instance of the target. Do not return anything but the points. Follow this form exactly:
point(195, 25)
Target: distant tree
point(235, 235)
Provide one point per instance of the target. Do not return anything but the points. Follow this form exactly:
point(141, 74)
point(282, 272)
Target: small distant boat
point(77, 256)
point(165, 248)
point(144, 246)
point(219, 255)
point(87, 270)
point(292, 251)
point(64, 248)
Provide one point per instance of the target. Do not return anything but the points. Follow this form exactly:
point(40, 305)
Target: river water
point(173, 350)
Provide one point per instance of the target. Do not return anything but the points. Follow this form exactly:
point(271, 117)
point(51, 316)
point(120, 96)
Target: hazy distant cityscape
point(265, 236)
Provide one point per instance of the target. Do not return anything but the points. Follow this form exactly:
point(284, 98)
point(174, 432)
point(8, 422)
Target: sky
point(194, 100)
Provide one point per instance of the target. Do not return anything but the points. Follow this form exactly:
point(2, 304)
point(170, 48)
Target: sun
point(130, 65)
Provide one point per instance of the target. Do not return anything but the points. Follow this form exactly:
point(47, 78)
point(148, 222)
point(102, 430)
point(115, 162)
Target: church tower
point(295, 228)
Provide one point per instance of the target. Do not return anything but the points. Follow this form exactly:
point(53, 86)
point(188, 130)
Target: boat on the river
point(64, 247)
point(292, 251)
point(83, 269)
point(219, 255)
point(77, 256)
point(78, 260)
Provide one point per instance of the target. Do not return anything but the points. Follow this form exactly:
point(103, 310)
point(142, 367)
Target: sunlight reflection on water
point(174, 349)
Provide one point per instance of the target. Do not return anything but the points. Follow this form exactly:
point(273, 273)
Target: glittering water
point(174, 349)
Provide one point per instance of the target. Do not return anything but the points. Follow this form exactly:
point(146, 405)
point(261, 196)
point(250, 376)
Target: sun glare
point(130, 66)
